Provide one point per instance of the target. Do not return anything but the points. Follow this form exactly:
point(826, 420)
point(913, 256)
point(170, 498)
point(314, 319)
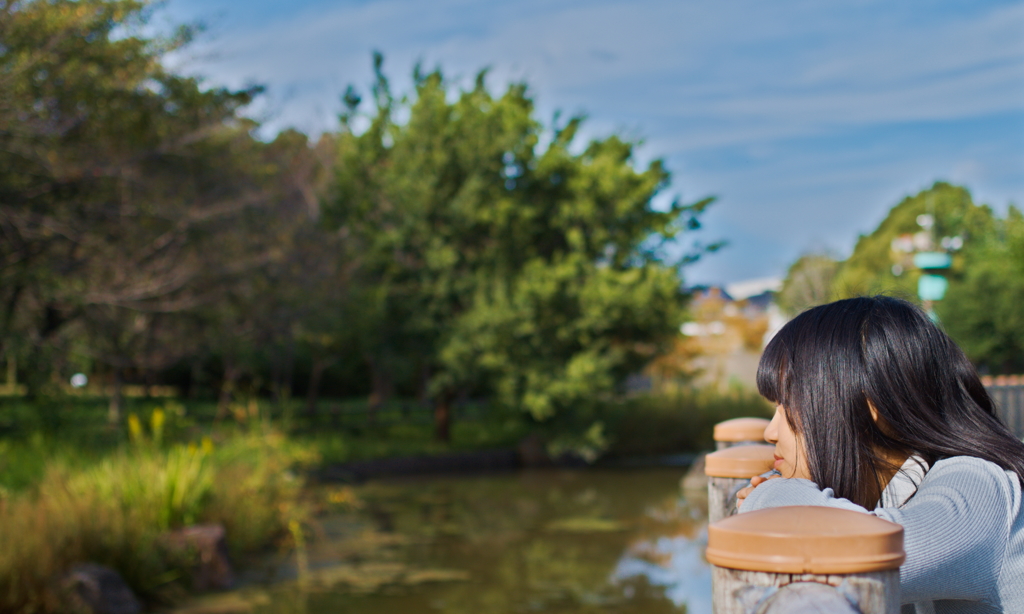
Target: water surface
point(545, 542)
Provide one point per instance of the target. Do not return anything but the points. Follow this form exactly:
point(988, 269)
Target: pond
point(547, 542)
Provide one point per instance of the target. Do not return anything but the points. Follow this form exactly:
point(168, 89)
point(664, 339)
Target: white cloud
point(795, 112)
point(798, 66)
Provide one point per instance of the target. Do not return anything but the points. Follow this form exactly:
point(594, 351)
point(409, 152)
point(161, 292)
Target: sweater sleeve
point(955, 528)
point(794, 491)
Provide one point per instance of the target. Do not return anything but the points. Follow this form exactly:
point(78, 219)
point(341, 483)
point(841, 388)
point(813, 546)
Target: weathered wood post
point(735, 432)
point(739, 431)
point(799, 560)
point(729, 470)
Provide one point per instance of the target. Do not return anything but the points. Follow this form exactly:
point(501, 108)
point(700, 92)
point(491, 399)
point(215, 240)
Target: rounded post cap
point(741, 429)
point(804, 539)
point(740, 461)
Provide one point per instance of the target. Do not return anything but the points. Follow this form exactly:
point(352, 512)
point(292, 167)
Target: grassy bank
point(86, 491)
point(642, 425)
point(76, 434)
point(115, 511)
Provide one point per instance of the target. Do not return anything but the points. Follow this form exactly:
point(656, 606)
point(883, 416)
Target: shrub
point(675, 422)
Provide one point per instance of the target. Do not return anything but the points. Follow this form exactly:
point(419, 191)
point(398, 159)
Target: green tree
point(129, 194)
point(869, 269)
point(529, 272)
point(808, 283)
point(982, 308)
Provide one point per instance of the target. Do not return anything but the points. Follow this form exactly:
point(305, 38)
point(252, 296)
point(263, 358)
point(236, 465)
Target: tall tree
point(128, 192)
point(529, 272)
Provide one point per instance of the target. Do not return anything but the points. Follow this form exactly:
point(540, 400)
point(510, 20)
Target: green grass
point(343, 431)
point(642, 425)
point(391, 438)
point(674, 423)
point(114, 512)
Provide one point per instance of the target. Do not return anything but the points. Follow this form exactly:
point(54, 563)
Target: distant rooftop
point(747, 288)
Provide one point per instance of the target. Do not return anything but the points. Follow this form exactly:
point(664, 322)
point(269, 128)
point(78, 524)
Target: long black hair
point(832, 363)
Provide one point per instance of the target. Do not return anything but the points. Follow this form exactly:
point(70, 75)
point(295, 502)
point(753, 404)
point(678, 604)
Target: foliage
point(808, 283)
point(565, 333)
point(107, 164)
point(648, 424)
point(496, 264)
point(458, 247)
point(115, 512)
point(869, 269)
point(408, 440)
point(982, 309)
point(142, 222)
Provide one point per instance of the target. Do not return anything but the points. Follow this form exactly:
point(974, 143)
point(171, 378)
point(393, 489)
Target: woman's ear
point(880, 422)
point(874, 411)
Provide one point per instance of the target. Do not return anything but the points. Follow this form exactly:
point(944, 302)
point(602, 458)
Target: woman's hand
point(755, 481)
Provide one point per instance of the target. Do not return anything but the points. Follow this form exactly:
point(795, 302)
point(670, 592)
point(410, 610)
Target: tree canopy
point(986, 279)
point(445, 243)
point(870, 268)
point(982, 309)
point(135, 201)
point(500, 257)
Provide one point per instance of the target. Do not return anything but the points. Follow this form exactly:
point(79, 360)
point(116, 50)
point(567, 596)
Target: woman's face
point(790, 459)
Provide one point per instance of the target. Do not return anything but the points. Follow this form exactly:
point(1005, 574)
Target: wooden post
point(735, 432)
point(739, 431)
point(800, 560)
point(729, 470)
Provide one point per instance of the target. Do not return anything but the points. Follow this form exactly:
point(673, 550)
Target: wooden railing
point(791, 560)
point(1007, 391)
point(805, 560)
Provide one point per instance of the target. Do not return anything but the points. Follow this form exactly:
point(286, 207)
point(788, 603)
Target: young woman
point(877, 409)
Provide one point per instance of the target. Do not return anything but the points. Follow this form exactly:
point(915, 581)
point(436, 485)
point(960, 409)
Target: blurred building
point(722, 343)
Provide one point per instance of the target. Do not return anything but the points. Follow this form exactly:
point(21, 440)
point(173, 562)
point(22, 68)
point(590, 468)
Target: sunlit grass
point(114, 512)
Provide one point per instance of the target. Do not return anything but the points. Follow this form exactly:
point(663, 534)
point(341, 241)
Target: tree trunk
point(114, 409)
point(12, 372)
point(423, 386)
point(276, 370)
point(227, 388)
point(194, 375)
point(380, 386)
point(289, 370)
point(281, 374)
point(443, 417)
point(315, 375)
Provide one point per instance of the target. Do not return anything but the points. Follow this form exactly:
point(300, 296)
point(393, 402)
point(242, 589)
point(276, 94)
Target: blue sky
point(807, 119)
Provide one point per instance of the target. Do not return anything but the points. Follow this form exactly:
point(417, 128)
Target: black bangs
point(771, 369)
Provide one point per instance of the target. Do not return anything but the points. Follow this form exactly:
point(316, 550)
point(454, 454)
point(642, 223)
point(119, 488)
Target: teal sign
point(932, 260)
point(932, 287)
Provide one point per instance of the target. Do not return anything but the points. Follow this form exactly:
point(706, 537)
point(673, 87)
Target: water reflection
point(675, 563)
point(565, 542)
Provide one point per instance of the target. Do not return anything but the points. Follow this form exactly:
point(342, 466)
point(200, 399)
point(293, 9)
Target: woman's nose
point(771, 432)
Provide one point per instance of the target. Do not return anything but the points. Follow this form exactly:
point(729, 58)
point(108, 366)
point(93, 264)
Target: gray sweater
point(963, 533)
